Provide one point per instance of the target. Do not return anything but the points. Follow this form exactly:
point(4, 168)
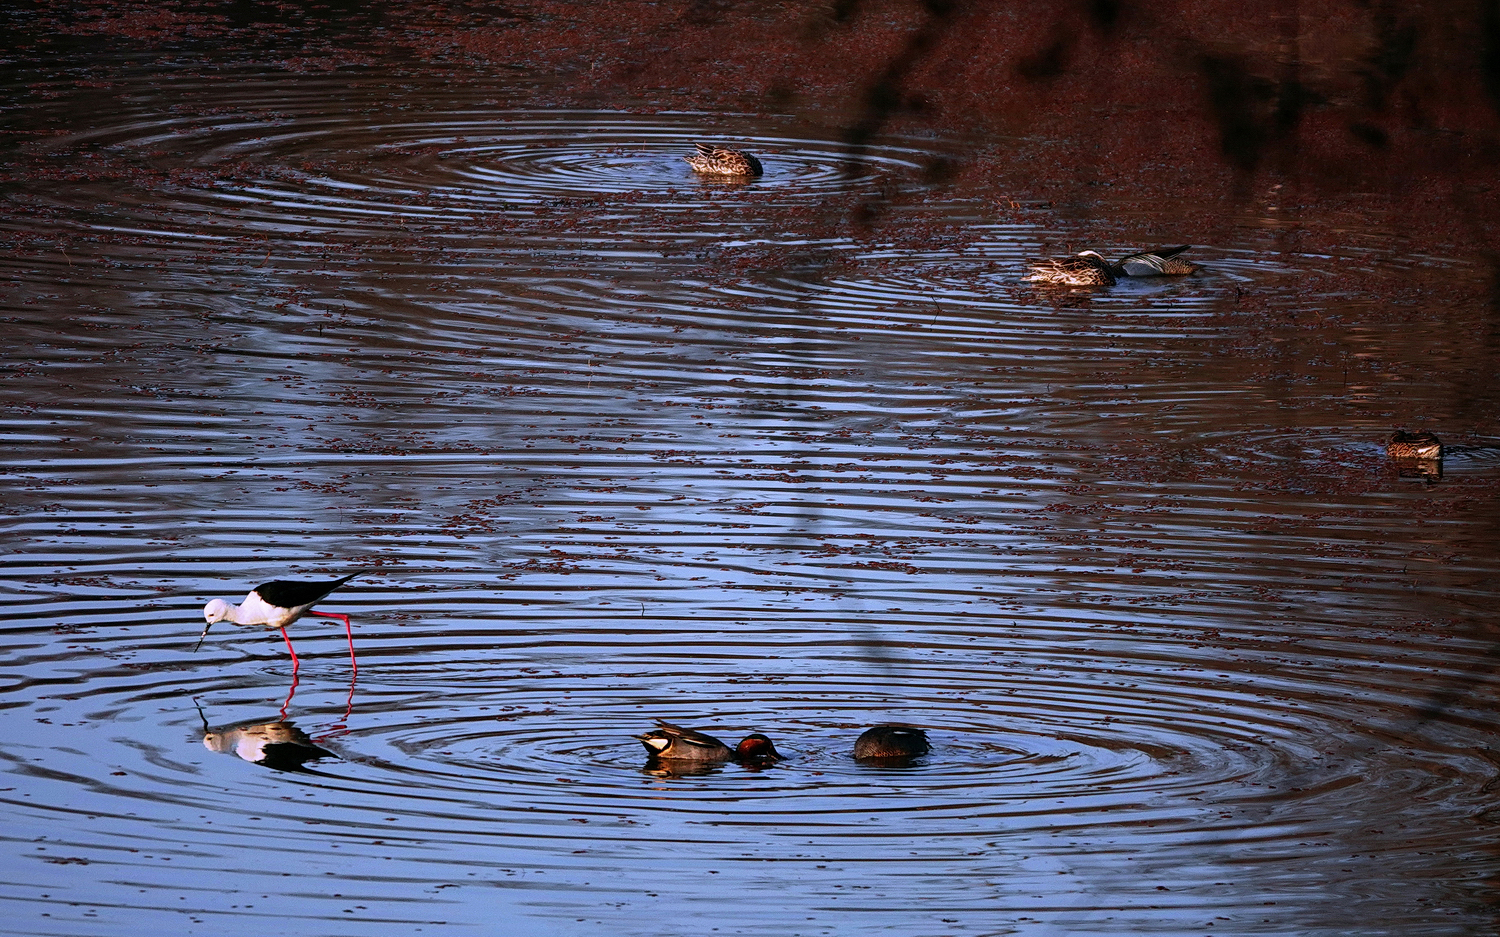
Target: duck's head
point(756, 748)
point(656, 741)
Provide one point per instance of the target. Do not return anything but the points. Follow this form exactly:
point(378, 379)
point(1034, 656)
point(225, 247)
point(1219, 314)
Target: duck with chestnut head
point(673, 743)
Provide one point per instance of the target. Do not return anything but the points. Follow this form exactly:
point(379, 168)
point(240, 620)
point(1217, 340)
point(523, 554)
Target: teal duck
point(890, 743)
point(674, 743)
point(722, 161)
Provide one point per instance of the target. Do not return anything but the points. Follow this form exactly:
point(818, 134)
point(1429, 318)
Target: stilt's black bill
point(201, 637)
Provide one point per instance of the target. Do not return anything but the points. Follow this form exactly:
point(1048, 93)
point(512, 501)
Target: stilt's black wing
point(290, 756)
point(288, 594)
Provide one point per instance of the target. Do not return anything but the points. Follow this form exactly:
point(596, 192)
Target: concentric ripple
point(613, 444)
point(578, 154)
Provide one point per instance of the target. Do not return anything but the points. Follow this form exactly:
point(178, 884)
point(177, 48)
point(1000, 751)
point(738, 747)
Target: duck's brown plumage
point(1418, 445)
point(1084, 269)
point(1089, 268)
point(1163, 261)
point(716, 160)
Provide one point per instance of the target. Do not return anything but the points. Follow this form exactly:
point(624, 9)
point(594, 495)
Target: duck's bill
point(201, 637)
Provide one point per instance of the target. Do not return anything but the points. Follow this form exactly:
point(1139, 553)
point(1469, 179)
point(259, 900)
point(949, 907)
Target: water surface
point(615, 443)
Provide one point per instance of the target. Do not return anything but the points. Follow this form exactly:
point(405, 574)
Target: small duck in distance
point(674, 743)
point(890, 745)
point(1090, 268)
point(713, 160)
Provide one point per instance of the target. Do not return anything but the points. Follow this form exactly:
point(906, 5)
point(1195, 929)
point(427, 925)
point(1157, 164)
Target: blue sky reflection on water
point(617, 444)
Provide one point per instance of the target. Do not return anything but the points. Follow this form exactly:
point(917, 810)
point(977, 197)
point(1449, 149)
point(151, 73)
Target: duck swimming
point(1090, 268)
point(1418, 445)
point(1161, 262)
point(891, 744)
point(1086, 268)
point(715, 160)
point(674, 743)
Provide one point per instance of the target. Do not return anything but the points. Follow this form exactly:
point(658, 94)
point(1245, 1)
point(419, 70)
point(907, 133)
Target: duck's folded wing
point(1150, 263)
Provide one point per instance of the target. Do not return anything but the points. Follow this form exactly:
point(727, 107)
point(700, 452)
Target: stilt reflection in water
point(278, 745)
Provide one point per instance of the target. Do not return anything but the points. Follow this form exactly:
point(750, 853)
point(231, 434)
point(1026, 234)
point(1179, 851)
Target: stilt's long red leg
point(289, 694)
point(290, 650)
point(353, 662)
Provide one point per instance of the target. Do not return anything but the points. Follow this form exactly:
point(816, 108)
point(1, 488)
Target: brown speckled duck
point(1089, 268)
point(1086, 268)
point(714, 160)
point(1416, 455)
point(1418, 445)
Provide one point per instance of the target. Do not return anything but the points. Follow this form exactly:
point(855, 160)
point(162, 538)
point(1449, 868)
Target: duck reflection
point(278, 745)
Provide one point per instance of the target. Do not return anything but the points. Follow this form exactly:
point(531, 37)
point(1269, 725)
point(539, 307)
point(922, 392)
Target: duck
point(1420, 445)
point(1090, 268)
point(1161, 262)
point(716, 160)
point(891, 744)
point(674, 743)
point(1086, 268)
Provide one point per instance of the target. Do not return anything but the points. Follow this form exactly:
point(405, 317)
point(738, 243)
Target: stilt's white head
point(217, 610)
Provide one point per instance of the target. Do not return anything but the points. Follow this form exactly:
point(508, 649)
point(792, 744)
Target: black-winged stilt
point(276, 605)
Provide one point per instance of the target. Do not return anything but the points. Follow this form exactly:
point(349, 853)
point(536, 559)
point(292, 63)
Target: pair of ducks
point(1087, 268)
point(887, 744)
